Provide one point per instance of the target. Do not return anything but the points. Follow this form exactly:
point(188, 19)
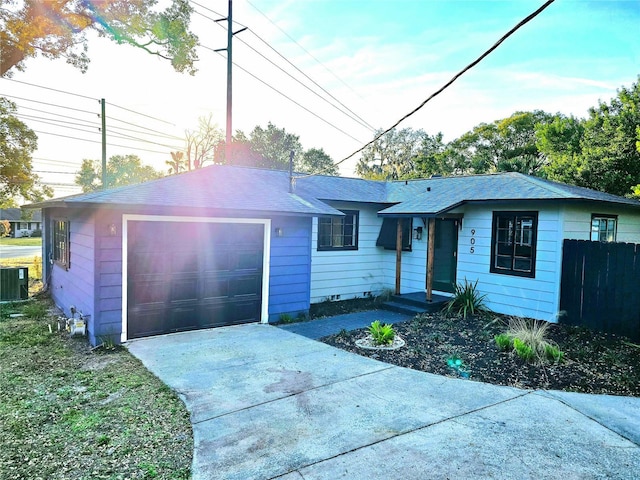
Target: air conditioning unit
point(14, 283)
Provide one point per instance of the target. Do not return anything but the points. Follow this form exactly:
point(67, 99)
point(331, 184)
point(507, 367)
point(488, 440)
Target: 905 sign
point(472, 241)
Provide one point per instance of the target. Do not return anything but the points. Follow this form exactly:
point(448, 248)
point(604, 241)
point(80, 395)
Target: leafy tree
point(177, 163)
point(121, 170)
point(58, 28)
point(434, 158)
point(508, 145)
point(315, 160)
point(17, 144)
point(267, 148)
point(5, 228)
point(600, 152)
point(393, 156)
point(205, 144)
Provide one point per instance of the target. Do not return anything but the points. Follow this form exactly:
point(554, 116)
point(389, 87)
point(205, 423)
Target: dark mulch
point(593, 362)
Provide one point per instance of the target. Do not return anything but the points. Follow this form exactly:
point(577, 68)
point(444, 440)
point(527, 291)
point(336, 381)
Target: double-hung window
point(339, 233)
point(60, 247)
point(513, 243)
point(603, 228)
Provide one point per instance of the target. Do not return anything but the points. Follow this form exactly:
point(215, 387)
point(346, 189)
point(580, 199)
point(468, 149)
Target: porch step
point(404, 308)
point(414, 303)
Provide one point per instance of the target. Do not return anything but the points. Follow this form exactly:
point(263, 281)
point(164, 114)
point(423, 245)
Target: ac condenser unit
point(14, 283)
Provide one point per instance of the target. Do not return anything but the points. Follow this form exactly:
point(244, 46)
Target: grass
point(70, 412)
point(21, 241)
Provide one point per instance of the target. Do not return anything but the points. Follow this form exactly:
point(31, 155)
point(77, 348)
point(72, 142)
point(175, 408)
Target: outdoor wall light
point(112, 229)
point(417, 233)
point(278, 232)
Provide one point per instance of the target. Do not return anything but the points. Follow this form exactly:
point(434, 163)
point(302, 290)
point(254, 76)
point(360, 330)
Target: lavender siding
point(75, 286)
point(93, 283)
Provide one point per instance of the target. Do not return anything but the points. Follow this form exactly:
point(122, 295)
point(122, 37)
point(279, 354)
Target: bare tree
point(202, 144)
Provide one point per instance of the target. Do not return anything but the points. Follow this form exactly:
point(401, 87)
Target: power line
point(353, 116)
point(49, 104)
point(144, 128)
point(49, 88)
point(141, 114)
point(524, 21)
point(287, 97)
point(56, 123)
point(96, 141)
point(222, 16)
point(87, 123)
point(302, 48)
point(357, 118)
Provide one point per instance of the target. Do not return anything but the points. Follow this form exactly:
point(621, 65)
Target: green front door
point(445, 255)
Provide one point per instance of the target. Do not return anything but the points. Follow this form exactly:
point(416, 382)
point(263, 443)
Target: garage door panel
point(186, 275)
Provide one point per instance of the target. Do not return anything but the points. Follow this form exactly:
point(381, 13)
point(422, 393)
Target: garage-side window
point(603, 228)
point(60, 238)
point(339, 233)
point(513, 243)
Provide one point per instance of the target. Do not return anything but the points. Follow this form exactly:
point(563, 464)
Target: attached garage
point(183, 275)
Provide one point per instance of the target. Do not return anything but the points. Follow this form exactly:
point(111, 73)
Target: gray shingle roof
point(243, 189)
point(17, 214)
point(219, 187)
point(438, 195)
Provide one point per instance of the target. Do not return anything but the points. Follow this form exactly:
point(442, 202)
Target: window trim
point(61, 256)
point(356, 225)
point(604, 216)
point(494, 244)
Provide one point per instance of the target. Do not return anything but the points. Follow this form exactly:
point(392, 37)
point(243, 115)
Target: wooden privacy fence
point(600, 286)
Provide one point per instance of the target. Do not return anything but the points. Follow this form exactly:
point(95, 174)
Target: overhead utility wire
point(524, 21)
point(49, 104)
point(302, 48)
point(141, 114)
point(51, 89)
point(360, 120)
point(97, 141)
point(53, 121)
point(285, 96)
point(144, 128)
point(351, 114)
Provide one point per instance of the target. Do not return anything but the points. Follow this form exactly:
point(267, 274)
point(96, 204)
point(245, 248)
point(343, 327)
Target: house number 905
point(472, 249)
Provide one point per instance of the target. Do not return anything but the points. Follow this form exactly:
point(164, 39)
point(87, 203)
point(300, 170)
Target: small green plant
point(504, 341)
point(382, 334)
point(466, 300)
point(523, 350)
point(285, 318)
point(107, 343)
point(553, 353)
point(528, 340)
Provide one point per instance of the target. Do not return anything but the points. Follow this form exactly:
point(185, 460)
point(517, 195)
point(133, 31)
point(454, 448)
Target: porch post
point(430, 255)
point(398, 254)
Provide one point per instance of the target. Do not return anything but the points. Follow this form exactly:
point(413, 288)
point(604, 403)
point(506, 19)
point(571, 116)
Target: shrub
point(504, 341)
point(285, 318)
point(36, 233)
point(381, 334)
point(529, 340)
point(466, 300)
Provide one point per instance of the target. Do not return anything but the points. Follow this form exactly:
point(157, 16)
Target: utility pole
point(230, 34)
point(104, 145)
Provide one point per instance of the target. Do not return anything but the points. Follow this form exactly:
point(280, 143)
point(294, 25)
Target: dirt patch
point(593, 362)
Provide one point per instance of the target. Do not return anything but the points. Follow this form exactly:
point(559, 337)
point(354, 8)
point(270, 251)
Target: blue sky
point(389, 56)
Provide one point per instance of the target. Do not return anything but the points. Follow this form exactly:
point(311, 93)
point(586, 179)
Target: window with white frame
point(604, 228)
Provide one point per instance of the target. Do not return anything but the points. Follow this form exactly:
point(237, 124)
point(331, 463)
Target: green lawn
point(70, 412)
point(21, 242)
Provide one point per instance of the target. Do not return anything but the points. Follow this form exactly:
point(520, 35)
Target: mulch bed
point(593, 362)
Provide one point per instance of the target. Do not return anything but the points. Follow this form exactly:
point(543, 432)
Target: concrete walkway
point(266, 403)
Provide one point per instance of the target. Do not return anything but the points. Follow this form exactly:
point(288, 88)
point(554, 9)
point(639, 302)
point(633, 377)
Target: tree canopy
point(600, 152)
point(17, 144)
point(393, 156)
point(58, 28)
point(121, 170)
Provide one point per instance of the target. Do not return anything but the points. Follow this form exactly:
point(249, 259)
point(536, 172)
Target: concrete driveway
point(266, 403)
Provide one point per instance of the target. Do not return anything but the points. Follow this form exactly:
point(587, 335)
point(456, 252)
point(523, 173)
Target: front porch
point(415, 303)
